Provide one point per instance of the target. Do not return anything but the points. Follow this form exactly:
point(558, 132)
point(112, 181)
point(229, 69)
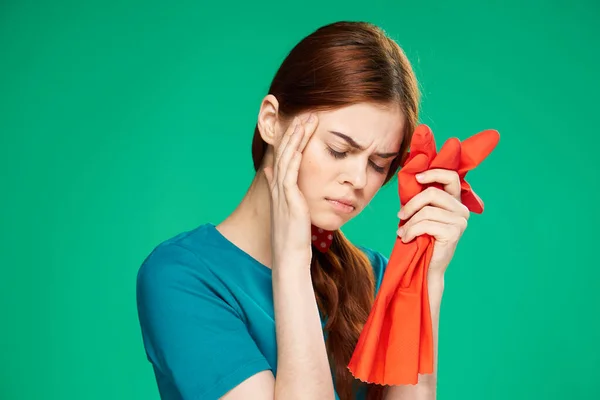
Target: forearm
point(425, 389)
point(303, 370)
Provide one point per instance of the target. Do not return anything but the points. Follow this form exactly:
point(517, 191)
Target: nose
point(356, 173)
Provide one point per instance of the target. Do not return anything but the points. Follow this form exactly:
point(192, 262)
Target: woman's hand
point(439, 213)
point(290, 217)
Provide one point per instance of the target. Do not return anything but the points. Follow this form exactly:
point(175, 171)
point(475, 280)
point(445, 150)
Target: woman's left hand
point(439, 213)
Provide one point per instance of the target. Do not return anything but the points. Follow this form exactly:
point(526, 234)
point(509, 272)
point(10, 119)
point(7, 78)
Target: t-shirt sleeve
point(191, 335)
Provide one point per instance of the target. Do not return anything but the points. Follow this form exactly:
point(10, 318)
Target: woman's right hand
point(290, 217)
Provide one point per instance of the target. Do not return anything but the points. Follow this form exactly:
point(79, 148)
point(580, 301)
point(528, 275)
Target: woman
point(270, 302)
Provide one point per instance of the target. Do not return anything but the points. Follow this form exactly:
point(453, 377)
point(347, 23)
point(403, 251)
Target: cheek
point(315, 169)
point(374, 183)
point(373, 187)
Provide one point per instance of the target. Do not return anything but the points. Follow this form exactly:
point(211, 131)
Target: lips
point(345, 201)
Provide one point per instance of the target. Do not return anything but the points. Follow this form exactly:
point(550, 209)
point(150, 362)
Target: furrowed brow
point(357, 146)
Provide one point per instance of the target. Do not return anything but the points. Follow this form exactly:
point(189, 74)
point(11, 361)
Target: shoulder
point(378, 262)
point(187, 319)
point(165, 262)
point(180, 255)
point(168, 260)
point(178, 269)
point(176, 287)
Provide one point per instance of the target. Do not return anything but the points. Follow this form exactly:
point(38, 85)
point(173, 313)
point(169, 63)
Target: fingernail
point(419, 176)
point(401, 214)
point(401, 231)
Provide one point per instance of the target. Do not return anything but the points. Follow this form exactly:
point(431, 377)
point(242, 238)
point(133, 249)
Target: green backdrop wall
point(114, 118)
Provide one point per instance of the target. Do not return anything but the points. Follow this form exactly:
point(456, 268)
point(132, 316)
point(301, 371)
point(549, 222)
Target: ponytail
point(344, 284)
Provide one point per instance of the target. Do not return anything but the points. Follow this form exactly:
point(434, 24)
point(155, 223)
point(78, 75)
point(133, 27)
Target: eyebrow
point(353, 143)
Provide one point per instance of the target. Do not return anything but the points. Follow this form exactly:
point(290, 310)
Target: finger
point(286, 137)
point(437, 214)
point(290, 181)
point(288, 153)
point(309, 122)
point(446, 177)
point(441, 232)
point(309, 129)
point(292, 129)
point(436, 197)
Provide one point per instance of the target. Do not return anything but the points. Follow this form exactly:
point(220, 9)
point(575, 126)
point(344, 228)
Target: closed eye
point(340, 155)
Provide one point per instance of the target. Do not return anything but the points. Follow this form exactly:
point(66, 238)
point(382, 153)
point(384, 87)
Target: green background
point(124, 123)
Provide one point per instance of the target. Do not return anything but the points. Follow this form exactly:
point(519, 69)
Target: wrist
point(287, 259)
point(291, 269)
point(435, 290)
point(435, 279)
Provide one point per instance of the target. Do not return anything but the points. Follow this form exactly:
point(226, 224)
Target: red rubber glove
point(396, 343)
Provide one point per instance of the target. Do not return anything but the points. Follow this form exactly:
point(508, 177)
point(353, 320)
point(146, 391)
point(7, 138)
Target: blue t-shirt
point(206, 313)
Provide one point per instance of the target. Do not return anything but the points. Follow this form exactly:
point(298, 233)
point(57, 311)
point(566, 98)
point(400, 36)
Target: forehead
point(368, 124)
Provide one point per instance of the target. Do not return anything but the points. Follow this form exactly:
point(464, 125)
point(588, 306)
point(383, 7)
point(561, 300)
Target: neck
point(249, 225)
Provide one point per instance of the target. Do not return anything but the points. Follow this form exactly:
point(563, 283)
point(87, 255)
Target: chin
point(328, 220)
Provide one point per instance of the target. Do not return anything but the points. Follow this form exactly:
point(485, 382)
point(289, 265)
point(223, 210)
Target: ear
point(268, 119)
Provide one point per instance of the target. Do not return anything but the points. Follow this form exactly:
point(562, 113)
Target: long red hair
point(337, 65)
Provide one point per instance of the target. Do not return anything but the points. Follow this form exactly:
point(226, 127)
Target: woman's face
point(347, 160)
